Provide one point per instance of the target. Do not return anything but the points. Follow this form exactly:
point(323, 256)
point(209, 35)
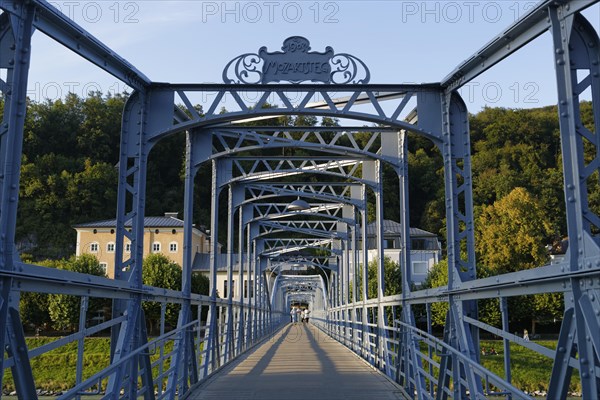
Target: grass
point(530, 370)
point(56, 370)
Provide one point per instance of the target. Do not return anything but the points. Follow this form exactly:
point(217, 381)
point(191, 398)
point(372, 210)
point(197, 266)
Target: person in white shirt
point(298, 314)
point(305, 315)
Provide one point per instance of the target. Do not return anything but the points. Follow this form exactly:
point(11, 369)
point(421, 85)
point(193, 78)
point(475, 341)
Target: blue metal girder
point(59, 27)
point(576, 50)
point(521, 32)
point(460, 234)
point(15, 44)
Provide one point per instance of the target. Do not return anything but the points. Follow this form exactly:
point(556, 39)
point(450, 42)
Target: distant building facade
point(425, 248)
point(162, 235)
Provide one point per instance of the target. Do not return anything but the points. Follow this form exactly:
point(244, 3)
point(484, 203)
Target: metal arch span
point(426, 95)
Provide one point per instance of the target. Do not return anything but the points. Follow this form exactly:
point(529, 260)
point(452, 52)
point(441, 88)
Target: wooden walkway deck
point(298, 363)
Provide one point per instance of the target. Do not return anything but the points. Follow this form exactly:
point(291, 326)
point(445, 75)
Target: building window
point(104, 266)
point(388, 244)
point(248, 289)
point(173, 247)
point(156, 247)
point(226, 289)
point(94, 247)
point(110, 247)
point(424, 244)
point(420, 267)
point(128, 247)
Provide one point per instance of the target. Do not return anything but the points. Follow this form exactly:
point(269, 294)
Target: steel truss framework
point(271, 240)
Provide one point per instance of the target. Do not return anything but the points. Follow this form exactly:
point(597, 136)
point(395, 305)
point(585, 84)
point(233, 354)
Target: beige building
point(161, 235)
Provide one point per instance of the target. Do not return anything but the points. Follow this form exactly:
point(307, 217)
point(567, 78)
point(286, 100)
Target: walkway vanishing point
point(298, 362)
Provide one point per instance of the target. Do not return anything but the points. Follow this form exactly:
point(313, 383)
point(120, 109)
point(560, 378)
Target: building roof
point(169, 220)
point(394, 228)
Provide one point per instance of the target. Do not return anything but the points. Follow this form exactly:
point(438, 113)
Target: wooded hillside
point(69, 175)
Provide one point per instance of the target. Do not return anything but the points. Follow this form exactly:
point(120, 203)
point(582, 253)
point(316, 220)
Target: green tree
point(67, 173)
point(391, 277)
point(488, 309)
point(159, 271)
point(33, 306)
point(511, 234)
point(64, 309)
point(200, 284)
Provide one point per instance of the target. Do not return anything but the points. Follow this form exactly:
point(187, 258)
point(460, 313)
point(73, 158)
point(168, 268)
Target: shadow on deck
point(299, 362)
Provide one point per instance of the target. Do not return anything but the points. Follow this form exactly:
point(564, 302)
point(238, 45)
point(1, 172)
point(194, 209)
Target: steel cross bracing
point(251, 169)
point(335, 192)
point(381, 329)
point(316, 228)
point(341, 141)
point(277, 211)
point(282, 246)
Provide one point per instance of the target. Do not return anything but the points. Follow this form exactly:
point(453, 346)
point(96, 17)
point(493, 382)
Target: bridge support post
point(460, 230)
point(355, 195)
point(237, 197)
point(18, 29)
point(185, 352)
point(365, 276)
point(212, 353)
point(230, 332)
point(577, 63)
point(144, 113)
point(408, 350)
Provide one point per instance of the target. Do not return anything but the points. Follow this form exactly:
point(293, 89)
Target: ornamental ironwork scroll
point(296, 64)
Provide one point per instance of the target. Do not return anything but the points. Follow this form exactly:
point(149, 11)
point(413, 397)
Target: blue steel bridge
point(354, 346)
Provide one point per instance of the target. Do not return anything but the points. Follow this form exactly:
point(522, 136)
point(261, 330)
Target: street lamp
point(298, 205)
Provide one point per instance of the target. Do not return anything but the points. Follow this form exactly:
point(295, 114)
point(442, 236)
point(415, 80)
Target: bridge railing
point(386, 347)
point(158, 375)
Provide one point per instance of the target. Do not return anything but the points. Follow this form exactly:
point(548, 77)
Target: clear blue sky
point(400, 41)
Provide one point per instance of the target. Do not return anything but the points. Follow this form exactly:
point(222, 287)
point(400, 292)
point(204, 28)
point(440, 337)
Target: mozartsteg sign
point(296, 64)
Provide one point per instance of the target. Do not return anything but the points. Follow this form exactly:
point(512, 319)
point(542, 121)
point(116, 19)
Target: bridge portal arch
point(152, 113)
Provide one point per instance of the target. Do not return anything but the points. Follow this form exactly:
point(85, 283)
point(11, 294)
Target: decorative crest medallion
point(296, 64)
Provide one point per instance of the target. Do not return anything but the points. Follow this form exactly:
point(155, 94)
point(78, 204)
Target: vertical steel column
point(230, 333)
point(342, 293)
point(459, 220)
point(365, 275)
point(576, 50)
point(247, 216)
point(409, 351)
point(212, 342)
point(346, 266)
point(18, 40)
point(506, 342)
point(242, 286)
point(251, 231)
point(430, 350)
point(355, 194)
point(259, 298)
point(142, 113)
point(83, 309)
point(185, 352)
point(373, 170)
point(337, 299)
